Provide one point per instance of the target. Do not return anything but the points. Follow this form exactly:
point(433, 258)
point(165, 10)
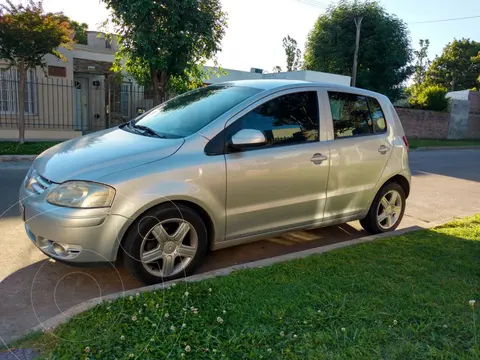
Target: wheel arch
point(402, 181)
point(207, 219)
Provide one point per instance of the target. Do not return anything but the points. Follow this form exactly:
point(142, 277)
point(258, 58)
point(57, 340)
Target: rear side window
point(350, 115)
point(355, 115)
point(285, 120)
point(378, 118)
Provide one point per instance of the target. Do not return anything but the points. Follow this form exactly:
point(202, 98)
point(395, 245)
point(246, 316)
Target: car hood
point(102, 153)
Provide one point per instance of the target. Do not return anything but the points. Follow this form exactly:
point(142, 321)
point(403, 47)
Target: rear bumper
point(85, 235)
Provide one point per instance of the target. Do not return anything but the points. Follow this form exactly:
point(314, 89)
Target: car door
point(359, 150)
point(281, 184)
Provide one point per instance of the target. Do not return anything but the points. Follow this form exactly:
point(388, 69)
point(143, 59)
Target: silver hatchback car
point(216, 167)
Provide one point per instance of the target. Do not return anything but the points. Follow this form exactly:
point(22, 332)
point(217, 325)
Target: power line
point(443, 20)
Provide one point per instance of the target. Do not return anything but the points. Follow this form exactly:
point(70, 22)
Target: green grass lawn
point(405, 297)
point(416, 143)
point(29, 148)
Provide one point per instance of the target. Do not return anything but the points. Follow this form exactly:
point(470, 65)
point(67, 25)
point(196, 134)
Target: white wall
point(39, 135)
point(327, 77)
point(305, 75)
point(83, 53)
point(458, 95)
point(232, 75)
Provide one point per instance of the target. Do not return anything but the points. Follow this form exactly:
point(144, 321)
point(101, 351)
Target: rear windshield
point(188, 113)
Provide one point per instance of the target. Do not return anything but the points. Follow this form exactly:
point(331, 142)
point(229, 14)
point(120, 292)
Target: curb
point(430, 148)
point(53, 322)
point(7, 158)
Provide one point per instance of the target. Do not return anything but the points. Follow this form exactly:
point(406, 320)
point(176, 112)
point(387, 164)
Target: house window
point(108, 44)
point(59, 71)
point(9, 92)
point(125, 99)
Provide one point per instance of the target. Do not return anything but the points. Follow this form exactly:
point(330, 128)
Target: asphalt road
point(32, 288)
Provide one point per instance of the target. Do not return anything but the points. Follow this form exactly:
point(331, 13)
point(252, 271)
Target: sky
point(256, 27)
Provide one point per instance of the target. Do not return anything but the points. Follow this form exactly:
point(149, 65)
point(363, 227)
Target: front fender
point(187, 176)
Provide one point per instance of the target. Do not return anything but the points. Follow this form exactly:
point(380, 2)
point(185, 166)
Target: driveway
point(445, 184)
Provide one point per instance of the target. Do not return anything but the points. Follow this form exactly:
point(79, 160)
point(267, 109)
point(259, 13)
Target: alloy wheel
point(389, 209)
point(168, 247)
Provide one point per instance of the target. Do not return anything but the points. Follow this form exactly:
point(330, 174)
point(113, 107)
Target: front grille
point(40, 184)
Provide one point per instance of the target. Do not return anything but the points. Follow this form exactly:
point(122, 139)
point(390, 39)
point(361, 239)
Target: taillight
point(405, 141)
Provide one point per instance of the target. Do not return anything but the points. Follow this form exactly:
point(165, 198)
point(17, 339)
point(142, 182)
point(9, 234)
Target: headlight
point(30, 179)
point(82, 194)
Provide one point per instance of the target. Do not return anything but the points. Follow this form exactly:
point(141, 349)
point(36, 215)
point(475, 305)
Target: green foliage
point(293, 53)
point(406, 297)
point(458, 67)
point(165, 43)
point(422, 62)
point(429, 97)
point(80, 32)
point(384, 53)
point(28, 34)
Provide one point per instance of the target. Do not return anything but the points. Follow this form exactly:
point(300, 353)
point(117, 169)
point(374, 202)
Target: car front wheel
point(386, 211)
point(165, 243)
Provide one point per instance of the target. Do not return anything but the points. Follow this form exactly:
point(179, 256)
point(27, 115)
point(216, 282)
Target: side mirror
point(248, 138)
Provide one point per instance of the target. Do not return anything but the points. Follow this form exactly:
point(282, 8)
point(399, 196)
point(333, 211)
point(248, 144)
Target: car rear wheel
point(386, 211)
point(165, 243)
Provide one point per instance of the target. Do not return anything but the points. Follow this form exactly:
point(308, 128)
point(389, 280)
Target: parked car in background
point(217, 167)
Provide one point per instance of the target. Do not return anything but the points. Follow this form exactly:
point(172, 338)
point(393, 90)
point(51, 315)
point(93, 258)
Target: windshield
point(188, 113)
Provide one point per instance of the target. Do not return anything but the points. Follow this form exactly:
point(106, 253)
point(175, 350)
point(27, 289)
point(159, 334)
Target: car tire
point(375, 222)
point(165, 243)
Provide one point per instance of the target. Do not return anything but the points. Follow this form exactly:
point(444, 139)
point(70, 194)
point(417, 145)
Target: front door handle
point(317, 158)
point(383, 149)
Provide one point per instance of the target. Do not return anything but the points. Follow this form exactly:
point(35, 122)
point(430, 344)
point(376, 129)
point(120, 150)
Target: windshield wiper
point(146, 130)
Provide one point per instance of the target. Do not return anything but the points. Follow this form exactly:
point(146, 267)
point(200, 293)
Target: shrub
point(431, 97)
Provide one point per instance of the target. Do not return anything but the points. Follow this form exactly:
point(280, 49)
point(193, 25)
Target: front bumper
point(85, 235)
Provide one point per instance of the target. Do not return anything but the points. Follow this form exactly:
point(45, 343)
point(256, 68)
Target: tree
point(277, 69)
point(458, 67)
point(292, 52)
point(80, 30)
point(165, 43)
point(421, 62)
point(384, 54)
point(27, 34)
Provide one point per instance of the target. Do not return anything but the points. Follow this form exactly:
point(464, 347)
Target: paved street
point(32, 288)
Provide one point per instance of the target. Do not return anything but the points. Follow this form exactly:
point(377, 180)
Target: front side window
point(188, 113)
point(288, 119)
point(350, 115)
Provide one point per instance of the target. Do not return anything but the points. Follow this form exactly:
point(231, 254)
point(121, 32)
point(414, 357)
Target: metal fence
point(84, 104)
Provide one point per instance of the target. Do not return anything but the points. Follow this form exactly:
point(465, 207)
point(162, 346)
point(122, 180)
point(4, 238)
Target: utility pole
point(358, 24)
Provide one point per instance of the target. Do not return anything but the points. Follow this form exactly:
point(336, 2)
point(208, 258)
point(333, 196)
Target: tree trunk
point(21, 99)
point(159, 81)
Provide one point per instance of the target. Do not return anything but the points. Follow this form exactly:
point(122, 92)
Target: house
point(72, 97)
point(83, 94)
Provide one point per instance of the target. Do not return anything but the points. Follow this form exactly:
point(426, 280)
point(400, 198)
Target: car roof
point(280, 84)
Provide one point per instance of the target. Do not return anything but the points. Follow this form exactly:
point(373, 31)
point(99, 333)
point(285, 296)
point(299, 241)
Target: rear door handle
point(383, 149)
point(317, 158)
